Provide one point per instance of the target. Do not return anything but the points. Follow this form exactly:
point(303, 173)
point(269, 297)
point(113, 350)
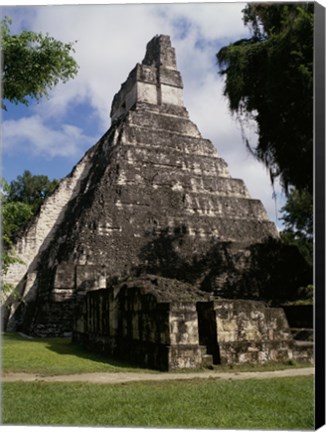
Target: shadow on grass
point(62, 346)
point(81, 358)
point(65, 346)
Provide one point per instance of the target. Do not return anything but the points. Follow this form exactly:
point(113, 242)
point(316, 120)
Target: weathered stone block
point(185, 357)
point(145, 93)
point(171, 95)
point(65, 276)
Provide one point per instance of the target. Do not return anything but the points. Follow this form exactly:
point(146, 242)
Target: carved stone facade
point(152, 197)
point(166, 324)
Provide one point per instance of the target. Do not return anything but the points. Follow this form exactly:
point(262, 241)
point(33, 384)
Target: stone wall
point(158, 323)
point(136, 324)
point(245, 332)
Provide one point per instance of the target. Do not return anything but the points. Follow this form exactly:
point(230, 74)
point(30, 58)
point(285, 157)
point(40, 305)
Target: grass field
point(54, 356)
point(58, 356)
point(282, 403)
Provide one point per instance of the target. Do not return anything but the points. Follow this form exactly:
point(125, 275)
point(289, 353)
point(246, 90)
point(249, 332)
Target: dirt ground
point(124, 377)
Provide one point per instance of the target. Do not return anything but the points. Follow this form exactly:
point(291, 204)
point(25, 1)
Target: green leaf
point(33, 64)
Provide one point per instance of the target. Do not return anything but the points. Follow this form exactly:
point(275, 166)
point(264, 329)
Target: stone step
point(150, 120)
point(152, 138)
point(187, 201)
point(303, 351)
point(207, 360)
point(189, 164)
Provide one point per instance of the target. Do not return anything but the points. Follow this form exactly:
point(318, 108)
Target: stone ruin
point(149, 250)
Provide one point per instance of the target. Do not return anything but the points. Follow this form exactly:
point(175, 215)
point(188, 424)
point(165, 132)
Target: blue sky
point(51, 136)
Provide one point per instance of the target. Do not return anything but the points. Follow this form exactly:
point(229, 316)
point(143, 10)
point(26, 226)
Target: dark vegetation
point(21, 199)
point(269, 83)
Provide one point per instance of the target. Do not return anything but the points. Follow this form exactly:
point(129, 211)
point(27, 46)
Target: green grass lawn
point(281, 403)
point(58, 356)
point(55, 356)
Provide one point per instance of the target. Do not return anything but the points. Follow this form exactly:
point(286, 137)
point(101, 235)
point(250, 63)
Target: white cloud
point(112, 39)
point(30, 134)
point(210, 20)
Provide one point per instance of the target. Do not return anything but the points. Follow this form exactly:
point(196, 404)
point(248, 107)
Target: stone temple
point(149, 249)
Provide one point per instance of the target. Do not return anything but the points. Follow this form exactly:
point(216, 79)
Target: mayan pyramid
point(151, 197)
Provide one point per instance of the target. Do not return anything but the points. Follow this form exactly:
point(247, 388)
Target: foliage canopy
point(269, 78)
point(298, 221)
point(31, 189)
point(20, 201)
point(33, 64)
